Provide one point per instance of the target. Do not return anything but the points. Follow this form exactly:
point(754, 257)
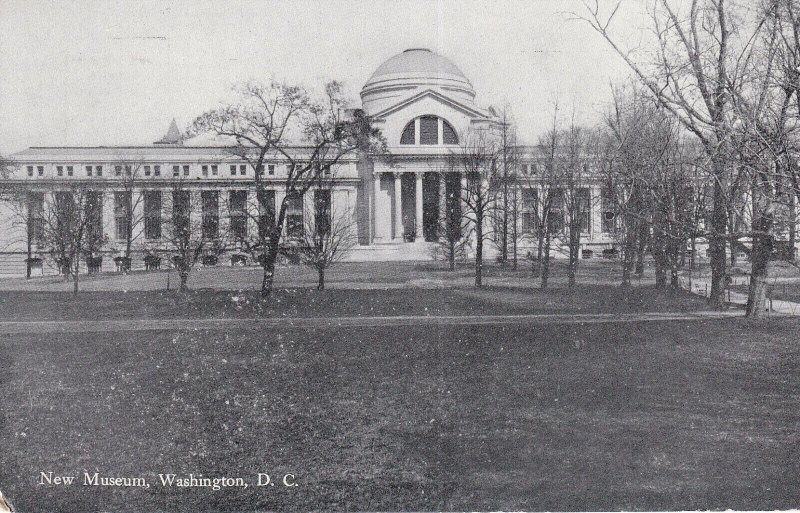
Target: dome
point(411, 71)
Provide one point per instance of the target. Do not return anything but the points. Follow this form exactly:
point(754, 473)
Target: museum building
point(420, 100)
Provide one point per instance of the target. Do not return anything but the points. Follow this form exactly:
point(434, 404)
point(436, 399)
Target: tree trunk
point(759, 259)
point(717, 240)
point(574, 247)
point(479, 252)
point(268, 264)
point(321, 278)
point(184, 276)
point(452, 256)
point(545, 259)
point(641, 248)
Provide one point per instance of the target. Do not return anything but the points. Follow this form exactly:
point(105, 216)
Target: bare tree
point(452, 233)
point(265, 123)
point(476, 161)
point(72, 230)
point(329, 234)
point(192, 233)
point(699, 50)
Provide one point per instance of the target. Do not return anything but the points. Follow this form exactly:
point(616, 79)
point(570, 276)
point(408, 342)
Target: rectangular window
point(529, 210)
point(186, 170)
point(89, 170)
point(40, 170)
point(322, 212)
point(30, 170)
point(94, 214)
point(428, 130)
point(69, 170)
point(204, 170)
point(117, 170)
point(181, 214)
point(242, 170)
point(584, 207)
point(294, 215)
point(156, 170)
point(271, 169)
point(152, 215)
point(210, 202)
point(607, 211)
point(176, 171)
point(555, 218)
point(266, 212)
point(98, 170)
point(36, 217)
point(238, 213)
point(60, 170)
point(122, 214)
point(233, 170)
point(214, 170)
point(146, 170)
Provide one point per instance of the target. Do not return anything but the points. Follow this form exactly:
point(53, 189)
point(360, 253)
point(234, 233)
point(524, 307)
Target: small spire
point(173, 135)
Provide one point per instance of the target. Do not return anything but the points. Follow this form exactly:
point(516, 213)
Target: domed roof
point(413, 70)
point(418, 60)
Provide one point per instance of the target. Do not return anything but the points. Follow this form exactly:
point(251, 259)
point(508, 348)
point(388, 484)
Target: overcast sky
point(104, 73)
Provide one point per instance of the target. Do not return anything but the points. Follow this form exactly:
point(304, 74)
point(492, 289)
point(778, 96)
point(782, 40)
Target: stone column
point(376, 192)
point(418, 213)
point(398, 206)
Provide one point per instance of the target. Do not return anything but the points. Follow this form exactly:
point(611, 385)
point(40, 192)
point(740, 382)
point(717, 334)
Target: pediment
point(471, 112)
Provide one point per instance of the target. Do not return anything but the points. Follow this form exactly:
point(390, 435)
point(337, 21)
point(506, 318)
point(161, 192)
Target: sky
point(91, 73)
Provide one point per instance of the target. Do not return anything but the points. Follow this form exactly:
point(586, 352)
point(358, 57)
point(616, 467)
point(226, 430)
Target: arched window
point(430, 128)
point(408, 134)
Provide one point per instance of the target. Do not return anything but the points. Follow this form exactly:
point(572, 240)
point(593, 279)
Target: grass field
point(614, 416)
point(699, 415)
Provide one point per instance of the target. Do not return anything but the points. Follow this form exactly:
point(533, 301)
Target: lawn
point(491, 300)
point(696, 415)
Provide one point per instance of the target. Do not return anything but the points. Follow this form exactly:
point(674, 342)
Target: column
point(442, 197)
point(376, 182)
point(398, 206)
point(418, 213)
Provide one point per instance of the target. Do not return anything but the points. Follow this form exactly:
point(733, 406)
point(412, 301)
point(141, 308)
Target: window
point(448, 134)
point(210, 202)
point(152, 215)
point(294, 215)
point(530, 217)
point(408, 136)
point(185, 170)
point(608, 220)
point(322, 212)
point(117, 170)
point(36, 217)
point(96, 170)
point(242, 170)
point(94, 225)
point(233, 170)
point(156, 170)
point(122, 213)
point(429, 130)
point(60, 170)
point(176, 171)
point(30, 171)
point(266, 211)
point(146, 170)
point(181, 212)
point(214, 170)
point(271, 169)
point(555, 217)
point(204, 170)
point(584, 209)
point(69, 170)
point(40, 170)
point(238, 213)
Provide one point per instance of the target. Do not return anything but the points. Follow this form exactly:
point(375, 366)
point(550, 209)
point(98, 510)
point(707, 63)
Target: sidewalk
point(262, 324)
point(702, 286)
